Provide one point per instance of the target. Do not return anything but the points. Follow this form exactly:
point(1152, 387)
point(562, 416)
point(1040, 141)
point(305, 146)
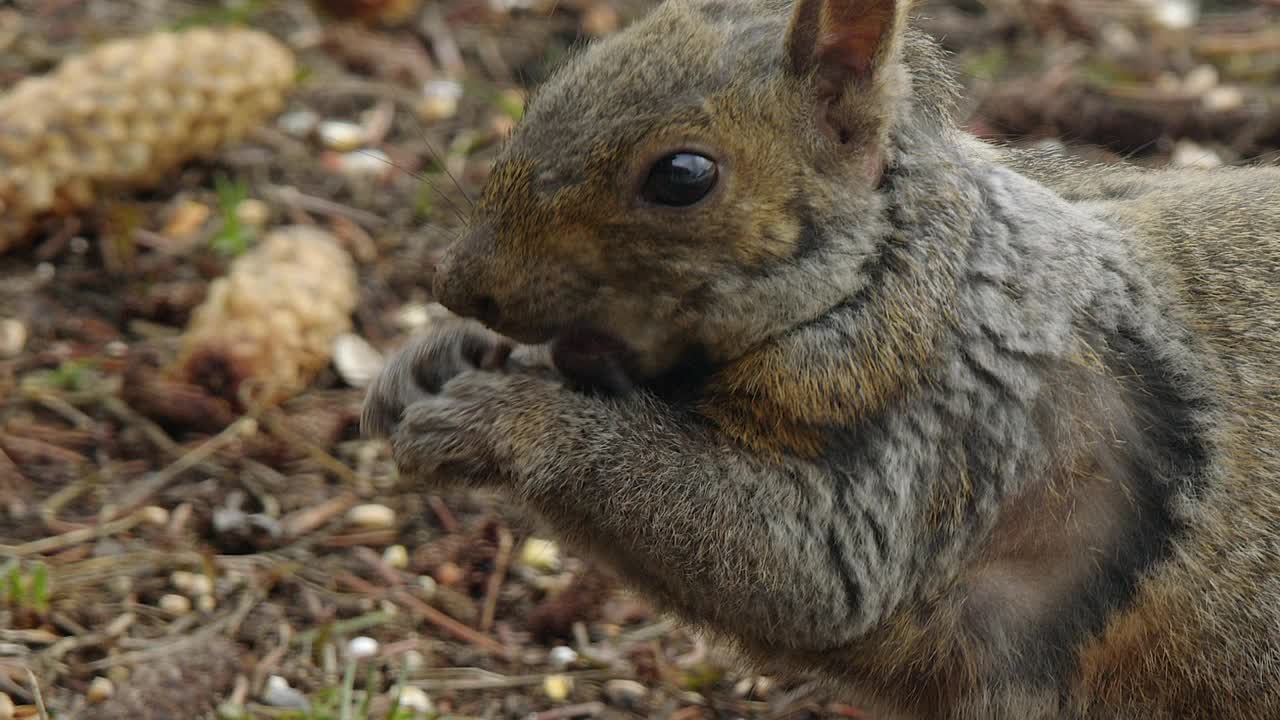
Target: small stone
point(415, 316)
point(428, 585)
point(557, 687)
point(449, 574)
point(415, 699)
point(1188, 154)
point(187, 218)
point(191, 583)
point(154, 516)
point(13, 337)
point(279, 694)
point(356, 360)
point(1120, 39)
point(1223, 99)
point(341, 136)
point(625, 694)
point(100, 690)
point(119, 675)
point(253, 212)
point(299, 124)
point(362, 647)
point(396, 556)
point(362, 164)
point(413, 660)
point(175, 604)
point(562, 656)
point(372, 517)
point(539, 554)
point(1201, 80)
point(1174, 15)
point(440, 100)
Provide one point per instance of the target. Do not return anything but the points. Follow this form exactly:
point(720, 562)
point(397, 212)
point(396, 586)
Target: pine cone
point(129, 111)
point(273, 318)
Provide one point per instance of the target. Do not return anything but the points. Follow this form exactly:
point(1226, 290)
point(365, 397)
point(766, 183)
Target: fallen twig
point(587, 709)
point(81, 535)
point(39, 697)
point(144, 489)
point(500, 565)
point(451, 626)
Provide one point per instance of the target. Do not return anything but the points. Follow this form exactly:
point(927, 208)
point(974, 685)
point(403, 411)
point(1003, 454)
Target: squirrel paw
point(422, 368)
point(467, 431)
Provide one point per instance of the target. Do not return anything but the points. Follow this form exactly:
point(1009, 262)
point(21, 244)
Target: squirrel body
point(975, 433)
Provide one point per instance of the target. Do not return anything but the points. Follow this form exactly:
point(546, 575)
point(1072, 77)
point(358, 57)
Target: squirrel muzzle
point(463, 280)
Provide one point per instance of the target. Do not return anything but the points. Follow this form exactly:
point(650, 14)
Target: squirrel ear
point(844, 39)
point(850, 47)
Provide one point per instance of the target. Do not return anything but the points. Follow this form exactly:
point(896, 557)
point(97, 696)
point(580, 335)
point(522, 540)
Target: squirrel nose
point(453, 289)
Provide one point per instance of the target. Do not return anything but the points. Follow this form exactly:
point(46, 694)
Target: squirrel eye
point(680, 179)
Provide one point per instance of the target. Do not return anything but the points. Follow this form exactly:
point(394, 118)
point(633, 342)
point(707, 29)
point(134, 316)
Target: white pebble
point(175, 604)
point(253, 212)
point(396, 556)
point(1223, 99)
point(13, 337)
point(362, 647)
point(427, 585)
point(1191, 155)
point(154, 515)
point(624, 693)
point(557, 687)
point(191, 583)
point(1201, 80)
point(415, 699)
point(562, 656)
point(540, 554)
point(299, 123)
point(1175, 14)
point(414, 660)
point(356, 360)
point(100, 690)
point(364, 164)
point(341, 136)
point(372, 516)
point(279, 694)
point(1118, 38)
point(413, 316)
point(440, 99)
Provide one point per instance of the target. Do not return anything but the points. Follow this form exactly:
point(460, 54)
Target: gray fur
point(1068, 507)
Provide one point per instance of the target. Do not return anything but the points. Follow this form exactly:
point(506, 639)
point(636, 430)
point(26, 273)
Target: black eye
point(680, 179)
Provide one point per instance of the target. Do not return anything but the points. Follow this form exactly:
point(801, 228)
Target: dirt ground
point(166, 552)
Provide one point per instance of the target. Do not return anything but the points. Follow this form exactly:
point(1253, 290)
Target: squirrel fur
point(974, 433)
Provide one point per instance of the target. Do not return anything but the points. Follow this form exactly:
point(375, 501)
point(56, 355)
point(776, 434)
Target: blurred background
point(209, 241)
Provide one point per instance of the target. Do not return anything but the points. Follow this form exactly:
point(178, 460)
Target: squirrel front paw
point(471, 431)
point(422, 368)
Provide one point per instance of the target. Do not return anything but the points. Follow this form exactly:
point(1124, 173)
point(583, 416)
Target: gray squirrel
point(974, 433)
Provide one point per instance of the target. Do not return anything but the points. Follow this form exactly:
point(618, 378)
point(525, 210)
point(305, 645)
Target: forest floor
point(249, 554)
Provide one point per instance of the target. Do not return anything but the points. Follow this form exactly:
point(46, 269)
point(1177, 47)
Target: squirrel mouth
point(594, 361)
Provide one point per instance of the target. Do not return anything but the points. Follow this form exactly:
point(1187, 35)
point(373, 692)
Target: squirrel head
point(695, 184)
